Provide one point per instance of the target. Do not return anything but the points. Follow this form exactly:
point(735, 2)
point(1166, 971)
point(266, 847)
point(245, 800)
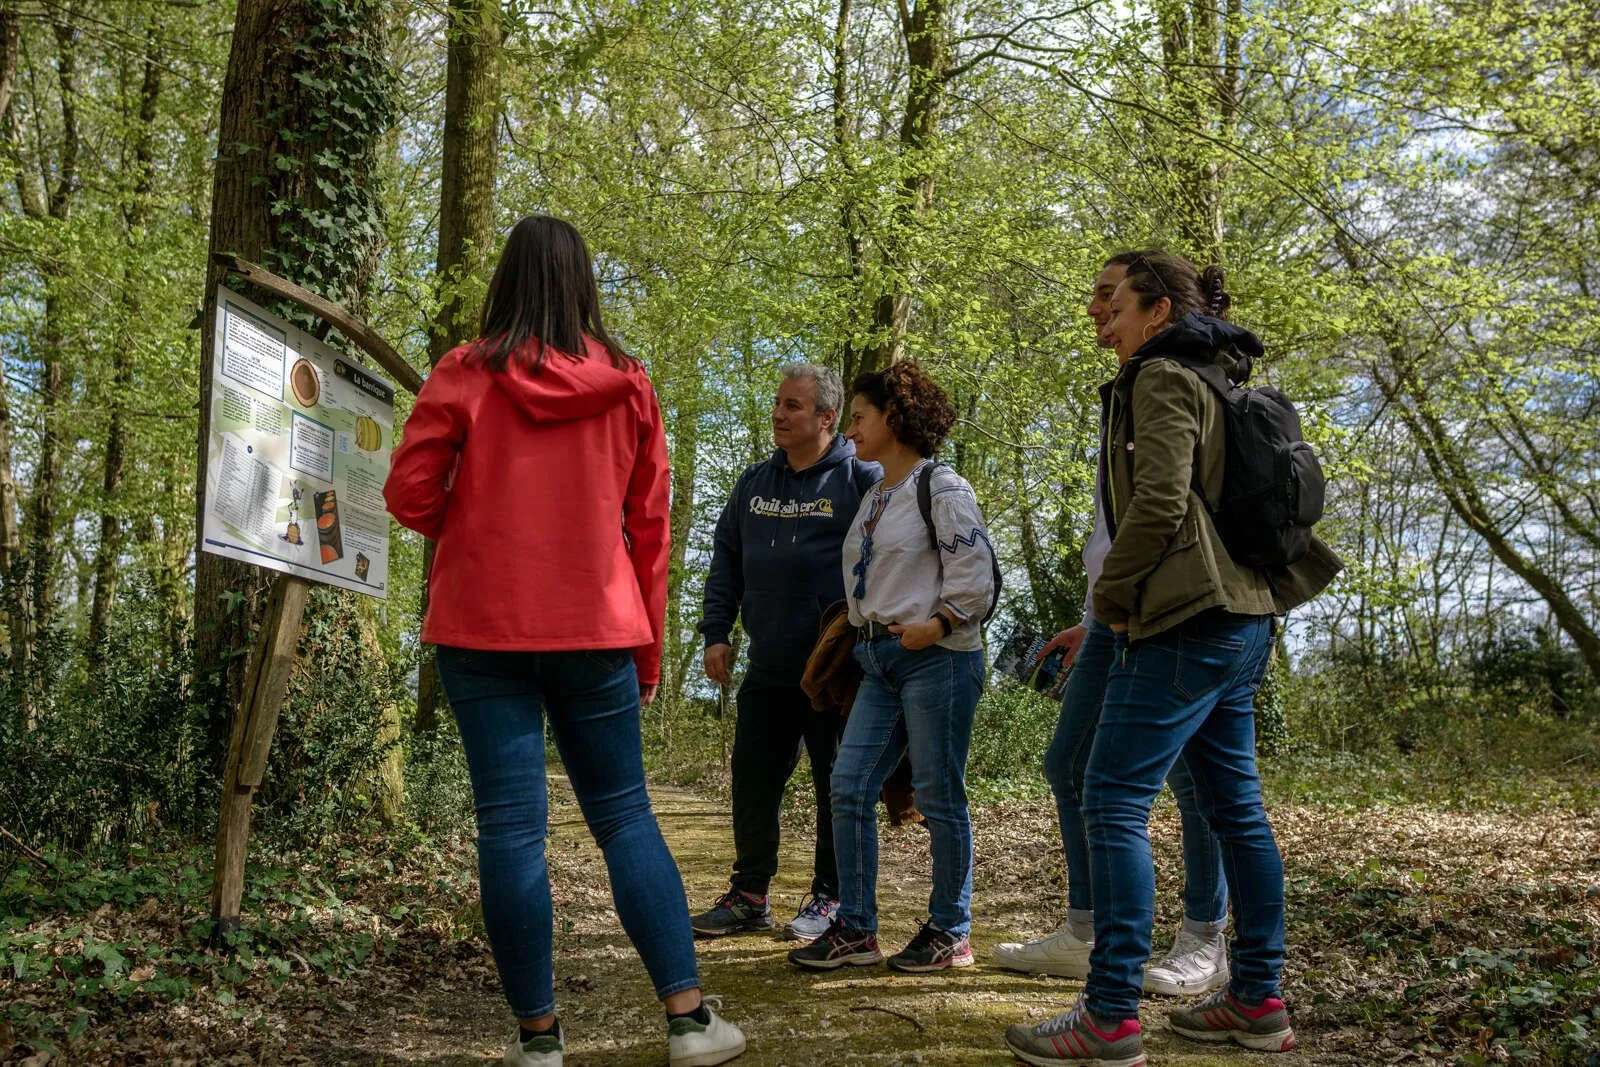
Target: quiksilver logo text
point(822, 507)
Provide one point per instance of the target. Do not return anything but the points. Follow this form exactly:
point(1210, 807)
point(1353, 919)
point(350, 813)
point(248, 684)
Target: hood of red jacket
point(563, 388)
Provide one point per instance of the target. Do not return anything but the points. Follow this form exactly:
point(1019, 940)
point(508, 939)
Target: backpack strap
point(1212, 376)
point(925, 505)
point(925, 502)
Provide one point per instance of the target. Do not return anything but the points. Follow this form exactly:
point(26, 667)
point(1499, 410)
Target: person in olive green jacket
point(1193, 630)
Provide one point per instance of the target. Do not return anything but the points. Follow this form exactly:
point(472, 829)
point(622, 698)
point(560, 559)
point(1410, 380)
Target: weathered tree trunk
point(168, 571)
point(30, 578)
point(17, 620)
point(928, 70)
point(109, 550)
point(844, 139)
point(294, 191)
point(466, 225)
point(1200, 57)
point(18, 625)
point(55, 381)
point(10, 50)
point(56, 371)
point(685, 451)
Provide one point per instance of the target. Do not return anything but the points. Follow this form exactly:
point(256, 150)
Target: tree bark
point(108, 551)
point(10, 51)
point(928, 70)
point(19, 641)
point(55, 370)
point(844, 138)
point(1200, 57)
point(295, 192)
point(466, 226)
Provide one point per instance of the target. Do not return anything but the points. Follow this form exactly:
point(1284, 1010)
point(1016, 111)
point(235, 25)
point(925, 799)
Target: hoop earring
point(1145, 336)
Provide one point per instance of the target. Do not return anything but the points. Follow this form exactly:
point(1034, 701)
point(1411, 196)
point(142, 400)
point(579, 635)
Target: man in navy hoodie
point(775, 562)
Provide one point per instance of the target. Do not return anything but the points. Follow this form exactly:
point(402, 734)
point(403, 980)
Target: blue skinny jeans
point(1190, 692)
point(924, 702)
point(1205, 889)
point(500, 700)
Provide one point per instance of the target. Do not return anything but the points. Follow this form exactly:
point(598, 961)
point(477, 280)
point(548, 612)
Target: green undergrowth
point(85, 944)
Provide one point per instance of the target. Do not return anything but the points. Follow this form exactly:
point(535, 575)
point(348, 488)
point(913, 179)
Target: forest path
point(855, 1016)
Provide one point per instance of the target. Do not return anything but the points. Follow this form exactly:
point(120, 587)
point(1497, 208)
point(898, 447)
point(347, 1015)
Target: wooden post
point(273, 648)
point(267, 678)
point(360, 333)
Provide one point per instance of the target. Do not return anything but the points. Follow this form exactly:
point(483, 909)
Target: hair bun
point(1217, 299)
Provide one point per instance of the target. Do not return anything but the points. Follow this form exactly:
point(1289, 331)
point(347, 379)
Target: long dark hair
point(542, 298)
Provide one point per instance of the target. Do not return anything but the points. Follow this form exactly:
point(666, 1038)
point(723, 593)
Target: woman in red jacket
point(536, 457)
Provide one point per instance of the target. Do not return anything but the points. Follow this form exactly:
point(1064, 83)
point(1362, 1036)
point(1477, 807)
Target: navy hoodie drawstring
point(794, 527)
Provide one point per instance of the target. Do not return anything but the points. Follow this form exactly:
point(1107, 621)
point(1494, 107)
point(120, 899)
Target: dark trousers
point(774, 721)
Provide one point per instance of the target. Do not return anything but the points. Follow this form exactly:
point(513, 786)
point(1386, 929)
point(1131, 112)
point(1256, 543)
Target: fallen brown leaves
point(1387, 907)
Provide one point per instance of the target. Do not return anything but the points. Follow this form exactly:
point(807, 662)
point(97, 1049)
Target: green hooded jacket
point(1167, 563)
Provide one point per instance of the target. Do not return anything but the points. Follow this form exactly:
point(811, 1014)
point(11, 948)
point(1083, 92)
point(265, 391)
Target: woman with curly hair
point(919, 607)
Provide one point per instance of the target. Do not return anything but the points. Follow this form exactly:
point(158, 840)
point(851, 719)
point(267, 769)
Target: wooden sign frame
point(273, 649)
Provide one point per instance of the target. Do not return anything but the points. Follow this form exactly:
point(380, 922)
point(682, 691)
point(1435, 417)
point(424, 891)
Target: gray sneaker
point(1074, 1039)
point(1223, 1017)
point(694, 1044)
point(813, 920)
point(733, 913)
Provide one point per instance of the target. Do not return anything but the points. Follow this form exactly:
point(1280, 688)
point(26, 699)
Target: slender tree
point(135, 217)
point(466, 222)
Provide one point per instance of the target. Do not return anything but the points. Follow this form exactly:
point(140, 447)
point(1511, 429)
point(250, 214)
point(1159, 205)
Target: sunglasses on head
point(1150, 268)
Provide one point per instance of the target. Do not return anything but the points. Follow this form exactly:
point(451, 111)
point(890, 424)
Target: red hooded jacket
point(548, 494)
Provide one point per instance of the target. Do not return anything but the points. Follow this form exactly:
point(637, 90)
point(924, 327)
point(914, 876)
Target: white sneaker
point(690, 1044)
point(812, 921)
point(541, 1051)
point(1061, 954)
point(1196, 964)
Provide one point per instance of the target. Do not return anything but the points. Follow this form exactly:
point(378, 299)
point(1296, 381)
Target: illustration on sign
point(299, 437)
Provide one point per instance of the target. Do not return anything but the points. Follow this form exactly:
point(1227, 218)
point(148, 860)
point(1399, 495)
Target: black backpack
point(1273, 489)
point(925, 505)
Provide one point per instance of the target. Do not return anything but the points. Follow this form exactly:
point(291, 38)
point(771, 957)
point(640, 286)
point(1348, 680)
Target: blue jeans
point(500, 700)
point(924, 701)
point(1205, 890)
point(1188, 692)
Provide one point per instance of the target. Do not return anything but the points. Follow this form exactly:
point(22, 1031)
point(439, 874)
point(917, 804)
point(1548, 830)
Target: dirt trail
point(868, 1016)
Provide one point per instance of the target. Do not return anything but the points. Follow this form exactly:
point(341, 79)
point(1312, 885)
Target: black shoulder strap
point(1213, 377)
point(925, 505)
point(925, 501)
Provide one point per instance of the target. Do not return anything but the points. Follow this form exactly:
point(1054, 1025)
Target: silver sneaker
point(1061, 954)
point(1196, 964)
point(691, 1044)
point(813, 919)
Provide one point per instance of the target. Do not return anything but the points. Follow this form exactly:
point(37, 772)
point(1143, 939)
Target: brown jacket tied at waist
point(831, 679)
